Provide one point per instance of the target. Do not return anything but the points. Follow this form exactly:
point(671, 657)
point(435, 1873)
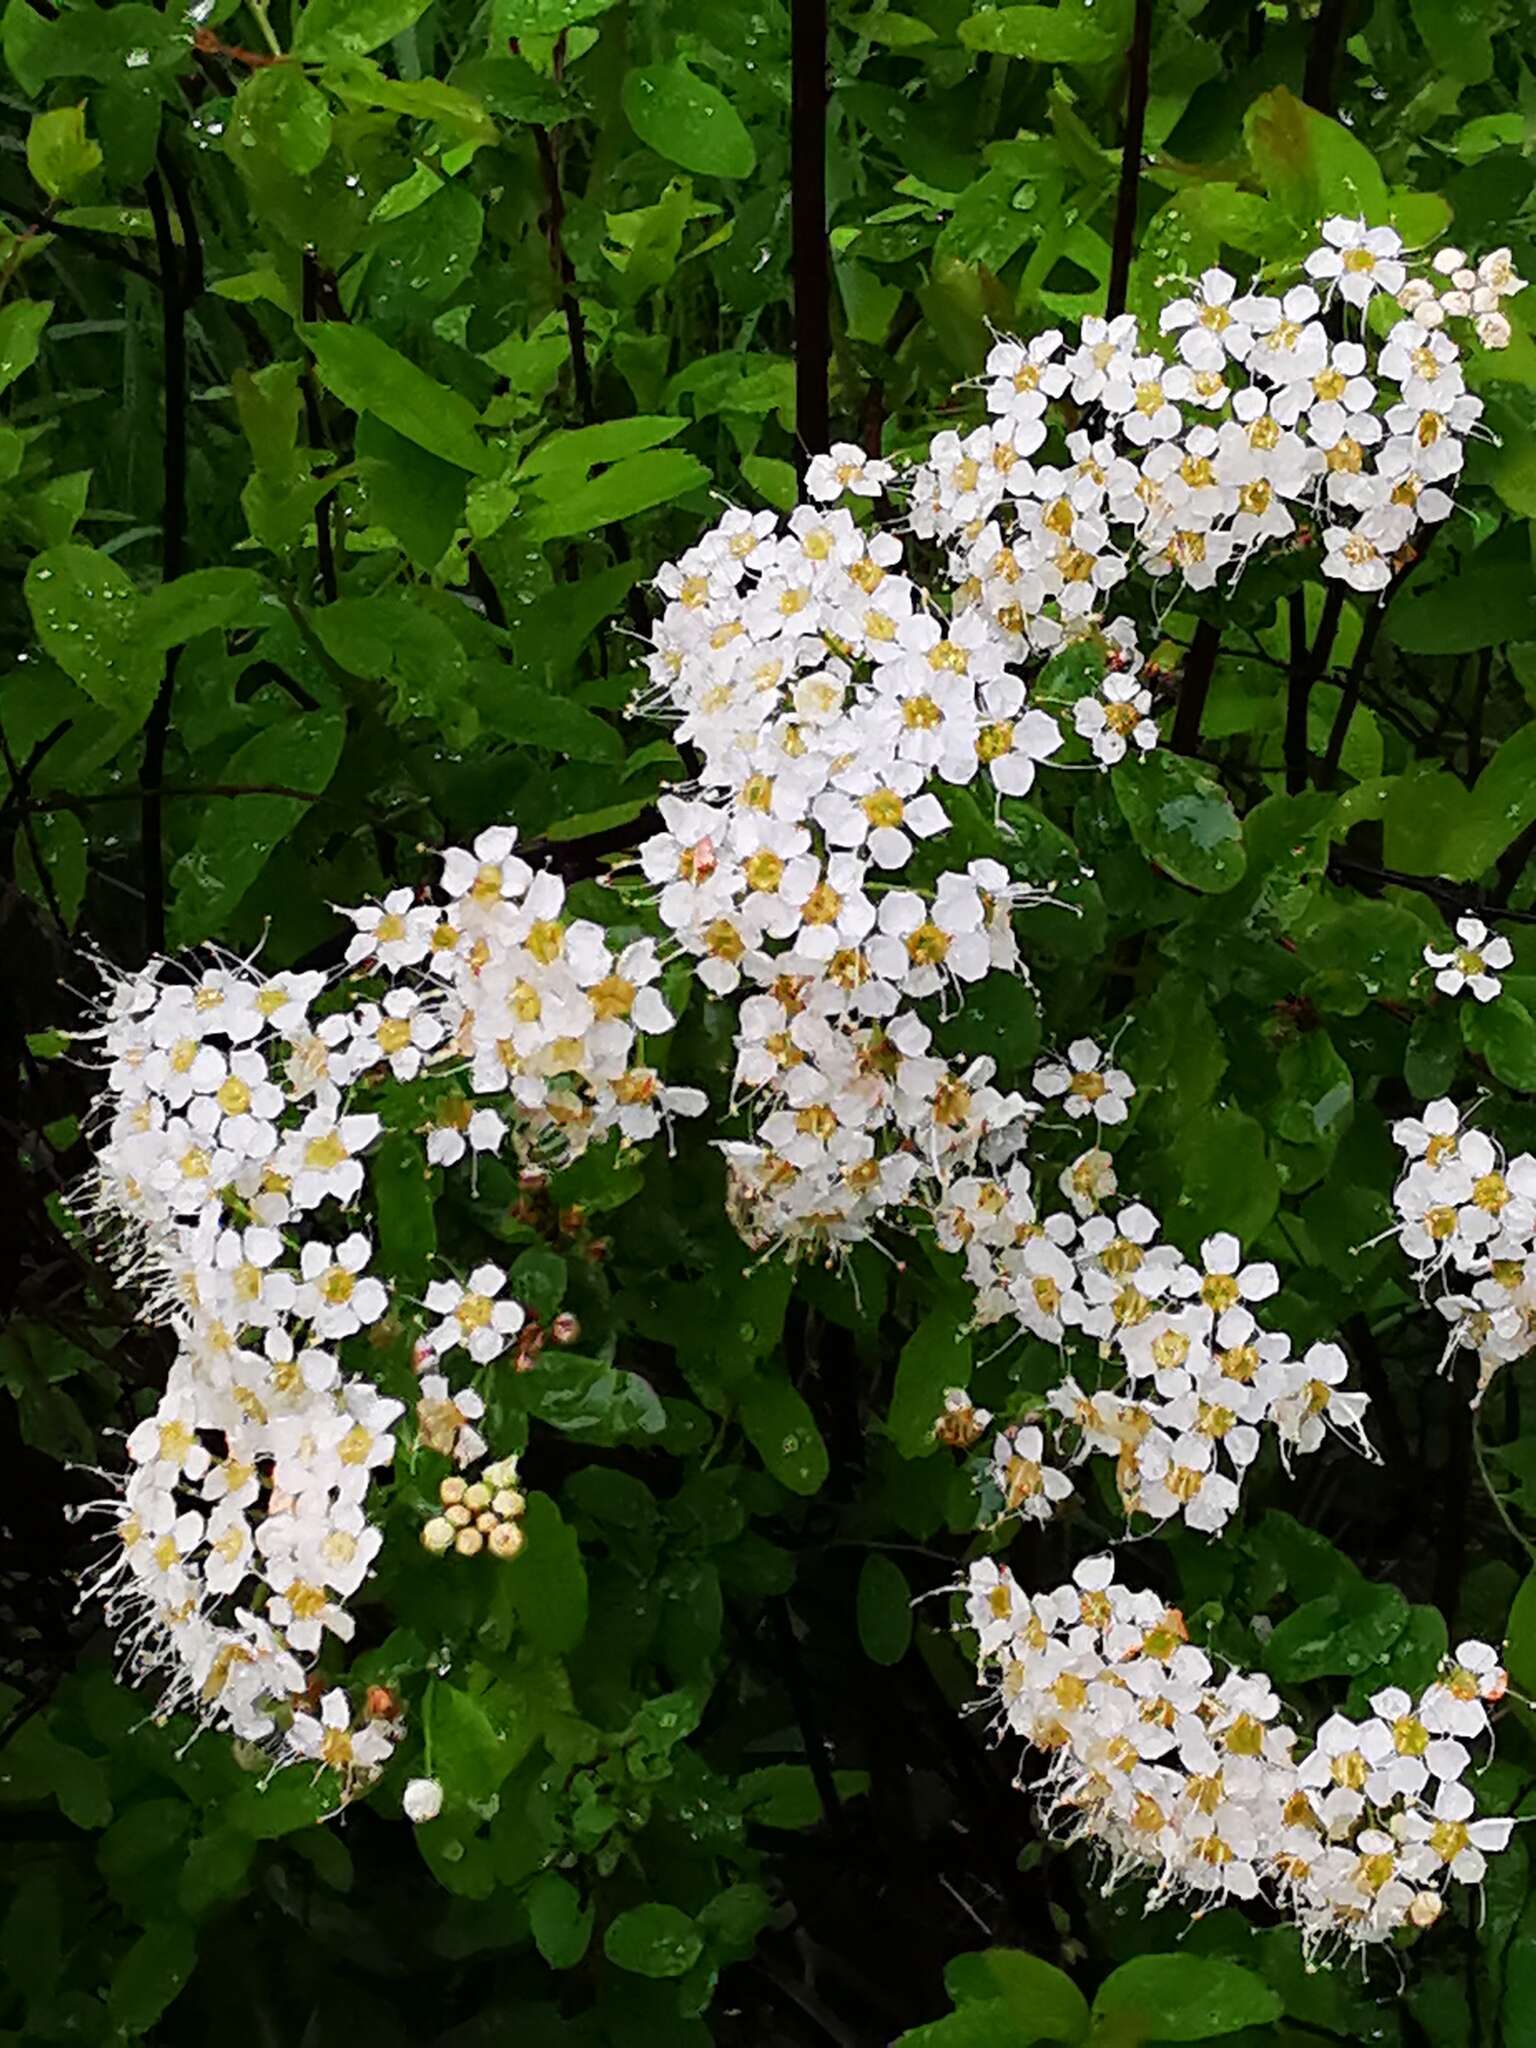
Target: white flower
point(1116, 719)
point(1358, 260)
point(1087, 1084)
point(1226, 1281)
point(334, 1296)
point(474, 1316)
point(331, 1742)
point(846, 468)
point(1474, 964)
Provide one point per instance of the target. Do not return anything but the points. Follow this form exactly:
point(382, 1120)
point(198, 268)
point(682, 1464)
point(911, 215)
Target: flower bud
point(423, 1800)
point(381, 1704)
point(437, 1536)
point(486, 1521)
point(509, 1504)
point(477, 1497)
point(469, 1542)
point(565, 1329)
point(506, 1540)
point(451, 1492)
point(458, 1516)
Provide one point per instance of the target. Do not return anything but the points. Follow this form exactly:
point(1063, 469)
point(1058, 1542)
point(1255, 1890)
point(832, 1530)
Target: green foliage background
point(350, 400)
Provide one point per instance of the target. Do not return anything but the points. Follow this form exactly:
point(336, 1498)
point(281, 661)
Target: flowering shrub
point(771, 1087)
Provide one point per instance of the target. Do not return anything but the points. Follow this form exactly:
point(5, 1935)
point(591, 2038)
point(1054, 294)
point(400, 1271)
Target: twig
point(1194, 687)
point(58, 801)
point(1136, 86)
point(175, 275)
point(808, 226)
point(45, 880)
point(21, 778)
point(1456, 894)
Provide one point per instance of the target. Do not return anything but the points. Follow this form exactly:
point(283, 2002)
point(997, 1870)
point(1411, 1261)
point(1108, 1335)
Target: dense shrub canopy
point(714, 973)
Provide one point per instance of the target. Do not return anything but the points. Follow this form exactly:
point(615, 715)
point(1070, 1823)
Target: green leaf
point(631, 486)
point(394, 639)
point(86, 613)
point(936, 1357)
point(237, 835)
point(1222, 1174)
point(419, 497)
point(470, 1755)
point(1457, 35)
point(517, 18)
point(1520, 1637)
point(1076, 32)
point(202, 602)
point(213, 1870)
point(402, 1193)
point(330, 28)
point(884, 1609)
point(369, 376)
point(785, 1795)
point(549, 1583)
point(1317, 1092)
point(1504, 1033)
point(1337, 1635)
point(579, 448)
point(654, 1941)
point(783, 1432)
point(1185, 1998)
point(562, 1927)
point(1038, 1996)
point(1310, 165)
point(538, 718)
point(21, 332)
point(60, 155)
point(987, 2023)
point(1181, 818)
point(1482, 607)
point(151, 1974)
point(291, 116)
point(687, 121)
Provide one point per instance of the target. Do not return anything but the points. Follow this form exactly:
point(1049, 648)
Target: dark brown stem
point(809, 266)
point(314, 427)
point(1453, 897)
point(177, 269)
point(1318, 81)
point(565, 272)
point(18, 777)
point(1138, 74)
point(1194, 687)
point(1307, 664)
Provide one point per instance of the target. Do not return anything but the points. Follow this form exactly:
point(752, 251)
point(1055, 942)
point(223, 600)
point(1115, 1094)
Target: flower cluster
point(1195, 1780)
point(239, 1116)
point(1249, 415)
point(1466, 1217)
point(1170, 1372)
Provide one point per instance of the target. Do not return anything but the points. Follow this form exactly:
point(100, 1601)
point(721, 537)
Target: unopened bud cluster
point(479, 1514)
